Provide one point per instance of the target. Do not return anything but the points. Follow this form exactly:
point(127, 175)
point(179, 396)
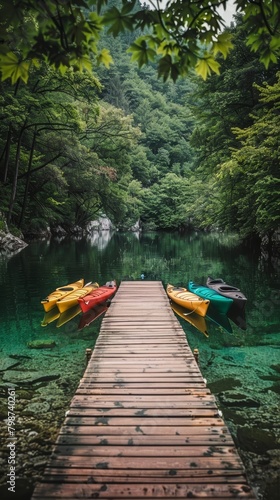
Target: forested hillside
point(121, 141)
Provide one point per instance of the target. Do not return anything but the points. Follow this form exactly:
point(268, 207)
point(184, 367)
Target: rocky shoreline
point(10, 243)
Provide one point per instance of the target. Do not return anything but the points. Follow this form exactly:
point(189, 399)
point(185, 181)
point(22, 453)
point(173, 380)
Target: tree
point(178, 36)
point(168, 204)
point(62, 156)
point(32, 123)
point(253, 170)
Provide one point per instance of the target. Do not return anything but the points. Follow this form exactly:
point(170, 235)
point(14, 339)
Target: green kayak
point(221, 303)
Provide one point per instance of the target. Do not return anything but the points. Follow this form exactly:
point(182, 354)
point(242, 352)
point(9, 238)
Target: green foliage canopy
point(176, 35)
point(253, 169)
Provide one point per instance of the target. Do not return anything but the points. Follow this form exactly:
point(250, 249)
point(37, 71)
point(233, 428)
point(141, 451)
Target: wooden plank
point(155, 463)
point(149, 388)
point(164, 490)
point(119, 403)
point(110, 370)
point(145, 421)
point(77, 475)
point(148, 412)
point(169, 390)
point(143, 451)
point(205, 399)
point(110, 430)
point(210, 439)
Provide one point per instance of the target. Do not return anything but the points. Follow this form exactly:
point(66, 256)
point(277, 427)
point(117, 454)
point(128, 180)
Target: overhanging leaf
point(12, 67)
point(141, 52)
point(223, 45)
point(204, 67)
point(117, 21)
point(83, 62)
point(104, 57)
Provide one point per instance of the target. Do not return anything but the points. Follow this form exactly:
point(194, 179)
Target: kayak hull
point(97, 296)
point(71, 300)
point(221, 303)
point(221, 287)
point(50, 301)
point(187, 299)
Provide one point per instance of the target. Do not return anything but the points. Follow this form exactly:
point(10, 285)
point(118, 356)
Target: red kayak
point(97, 296)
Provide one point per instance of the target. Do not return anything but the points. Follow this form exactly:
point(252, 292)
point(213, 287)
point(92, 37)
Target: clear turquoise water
point(242, 366)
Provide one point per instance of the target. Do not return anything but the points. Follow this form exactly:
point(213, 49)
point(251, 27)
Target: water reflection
point(194, 319)
point(99, 239)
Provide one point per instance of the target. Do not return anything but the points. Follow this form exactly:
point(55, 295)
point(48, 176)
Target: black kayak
point(221, 287)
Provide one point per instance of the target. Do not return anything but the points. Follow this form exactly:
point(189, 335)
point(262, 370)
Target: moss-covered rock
point(256, 440)
point(32, 377)
point(224, 384)
point(41, 344)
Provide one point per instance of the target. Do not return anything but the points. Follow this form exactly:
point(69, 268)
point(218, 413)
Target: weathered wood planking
point(142, 423)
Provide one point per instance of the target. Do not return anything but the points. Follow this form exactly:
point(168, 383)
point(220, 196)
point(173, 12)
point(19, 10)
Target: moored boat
point(97, 296)
point(50, 301)
point(187, 299)
point(71, 299)
point(219, 301)
point(221, 287)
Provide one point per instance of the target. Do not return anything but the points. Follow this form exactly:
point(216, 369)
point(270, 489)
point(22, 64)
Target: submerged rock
point(276, 368)
point(237, 399)
point(275, 388)
point(41, 344)
point(256, 440)
point(36, 408)
point(224, 384)
point(19, 377)
point(7, 363)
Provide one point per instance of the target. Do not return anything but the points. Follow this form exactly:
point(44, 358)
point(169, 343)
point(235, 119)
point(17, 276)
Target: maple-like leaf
point(12, 67)
point(205, 67)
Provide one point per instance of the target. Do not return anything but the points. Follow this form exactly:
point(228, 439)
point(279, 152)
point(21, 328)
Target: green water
point(242, 368)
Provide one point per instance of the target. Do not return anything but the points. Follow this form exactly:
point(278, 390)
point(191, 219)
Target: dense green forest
point(122, 142)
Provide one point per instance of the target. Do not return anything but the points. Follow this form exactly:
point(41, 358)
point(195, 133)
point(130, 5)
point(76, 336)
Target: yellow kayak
point(50, 301)
point(187, 299)
point(71, 299)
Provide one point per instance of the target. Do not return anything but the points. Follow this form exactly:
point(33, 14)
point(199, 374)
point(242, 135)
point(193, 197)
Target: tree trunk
point(7, 154)
point(28, 178)
point(14, 187)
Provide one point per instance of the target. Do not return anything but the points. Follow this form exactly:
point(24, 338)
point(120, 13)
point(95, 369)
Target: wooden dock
point(142, 423)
